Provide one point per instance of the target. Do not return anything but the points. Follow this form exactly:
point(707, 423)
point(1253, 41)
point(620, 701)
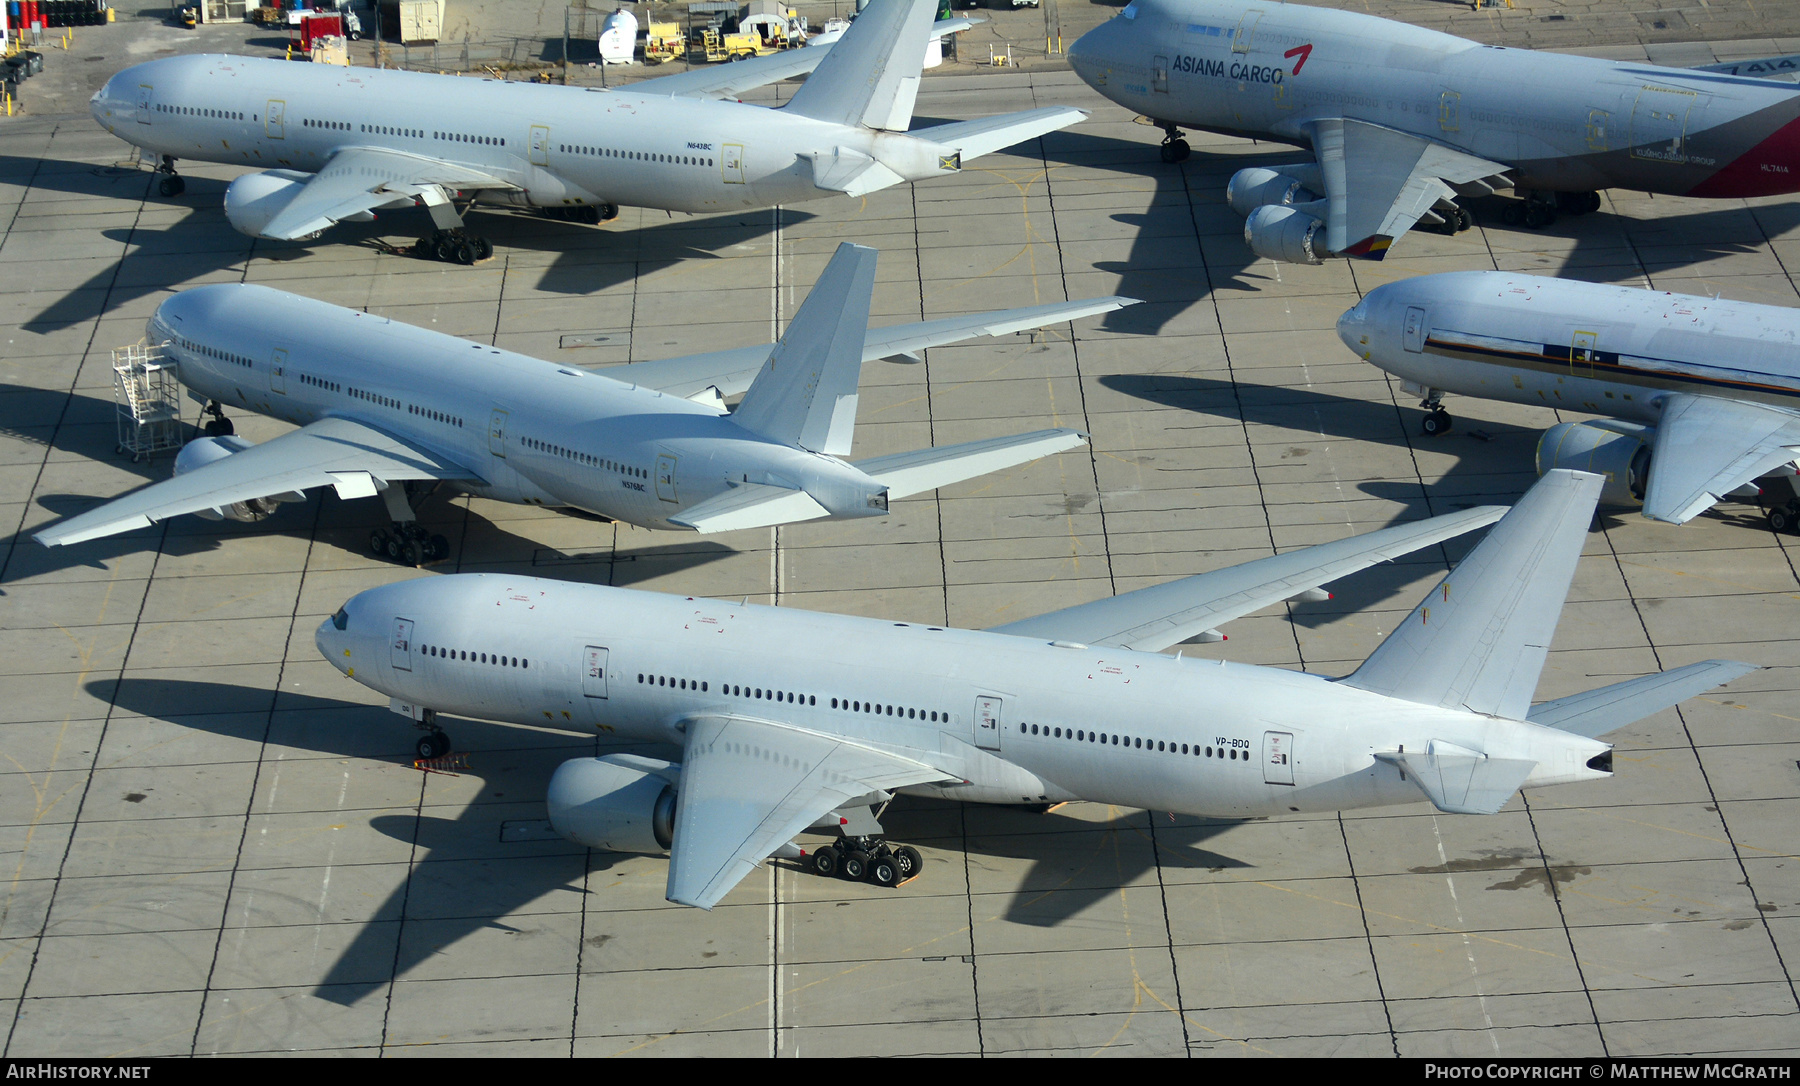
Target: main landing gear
point(218, 425)
point(586, 215)
point(867, 859)
point(434, 743)
point(454, 246)
point(172, 183)
point(1174, 148)
point(1455, 221)
point(407, 542)
point(1539, 208)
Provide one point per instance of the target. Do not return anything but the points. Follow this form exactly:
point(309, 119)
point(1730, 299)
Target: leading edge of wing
point(1707, 446)
point(1151, 619)
point(1380, 180)
point(357, 458)
point(748, 786)
point(359, 179)
point(731, 371)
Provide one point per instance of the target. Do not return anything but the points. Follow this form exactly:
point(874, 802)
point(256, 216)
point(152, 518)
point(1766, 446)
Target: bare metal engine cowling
point(203, 451)
point(255, 198)
point(1259, 186)
point(1287, 234)
point(618, 803)
point(1614, 448)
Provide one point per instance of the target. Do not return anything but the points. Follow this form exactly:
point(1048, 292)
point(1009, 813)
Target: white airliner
point(1704, 393)
point(336, 144)
point(381, 405)
point(788, 719)
point(1403, 122)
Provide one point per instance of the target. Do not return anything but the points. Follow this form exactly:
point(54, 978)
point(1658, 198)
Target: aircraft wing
point(1707, 447)
point(732, 371)
point(1154, 618)
point(749, 786)
point(357, 459)
point(359, 179)
point(1380, 181)
point(731, 80)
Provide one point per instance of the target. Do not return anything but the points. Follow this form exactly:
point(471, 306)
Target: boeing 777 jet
point(333, 144)
point(1404, 122)
point(382, 405)
point(787, 719)
point(1703, 394)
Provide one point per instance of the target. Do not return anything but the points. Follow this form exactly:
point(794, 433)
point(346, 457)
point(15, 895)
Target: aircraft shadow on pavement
point(1492, 471)
point(587, 258)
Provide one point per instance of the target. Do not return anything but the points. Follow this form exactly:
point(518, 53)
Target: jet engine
point(1617, 449)
point(203, 451)
point(618, 803)
point(1287, 234)
point(1259, 186)
point(255, 198)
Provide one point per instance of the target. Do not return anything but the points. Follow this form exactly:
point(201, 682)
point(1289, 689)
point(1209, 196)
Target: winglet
point(1479, 640)
point(806, 393)
point(871, 76)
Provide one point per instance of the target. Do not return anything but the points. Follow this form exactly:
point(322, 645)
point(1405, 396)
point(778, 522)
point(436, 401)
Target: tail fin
point(806, 392)
point(871, 76)
point(1478, 641)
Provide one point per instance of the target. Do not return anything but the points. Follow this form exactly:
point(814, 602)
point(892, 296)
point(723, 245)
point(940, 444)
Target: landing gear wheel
point(1781, 519)
point(391, 546)
point(444, 247)
point(855, 866)
point(440, 548)
point(1538, 216)
point(1436, 423)
point(483, 248)
point(172, 185)
point(1512, 214)
point(1175, 150)
point(434, 745)
point(378, 542)
point(825, 861)
point(883, 871)
point(908, 861)
point(413, 554)
point(219, 428)
point(609, 212)
point(467, 253)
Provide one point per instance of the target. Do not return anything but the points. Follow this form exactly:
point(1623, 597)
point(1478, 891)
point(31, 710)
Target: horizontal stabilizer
point(1460, 781)
point(905, 474)
point(1152, 619)
point(1479, 640)
point(990, 134)
point(731, 371)
point(751, 505)
point(1609, 708)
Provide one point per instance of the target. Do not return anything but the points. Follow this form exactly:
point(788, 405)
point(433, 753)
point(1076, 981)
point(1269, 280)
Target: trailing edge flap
point(871, 76)
point(1706, 447)
point(805, 395)
point(851, 173)
point(905, 474)
point(732, 371)
point(329, 452)
point(1609, 708)
point(1154, 618)
point(750, 505)
point(990, 134)
point(1378, 181)
point(359, 179)
point(748, 786)
point(1461, 781)
point(1478, 641)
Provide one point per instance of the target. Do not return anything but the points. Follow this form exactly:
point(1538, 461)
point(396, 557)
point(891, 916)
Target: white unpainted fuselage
point(1018, 720)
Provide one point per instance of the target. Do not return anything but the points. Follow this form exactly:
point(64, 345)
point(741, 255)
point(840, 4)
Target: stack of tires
point(18, 68)
point(56, 13)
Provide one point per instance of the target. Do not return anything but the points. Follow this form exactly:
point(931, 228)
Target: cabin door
point(593, 672)
point(1278, 758)
point(987, 722)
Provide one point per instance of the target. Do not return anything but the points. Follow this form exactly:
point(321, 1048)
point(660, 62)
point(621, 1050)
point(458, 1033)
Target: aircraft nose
point(99, 104)
point(1089, 56)
point(1353, 328)
point(332, 640)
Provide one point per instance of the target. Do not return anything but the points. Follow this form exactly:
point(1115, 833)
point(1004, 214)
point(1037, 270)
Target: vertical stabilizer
point(1478, 641)
point(806, 392)
point(871, 77)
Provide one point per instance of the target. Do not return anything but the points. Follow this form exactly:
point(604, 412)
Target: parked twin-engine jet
point(1402, 122)
point(382, 404)
point(338, 144)
point(1705, 393)
point(788, 719)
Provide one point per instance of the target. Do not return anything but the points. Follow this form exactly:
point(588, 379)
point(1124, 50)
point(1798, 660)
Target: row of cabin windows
point(341, 126)
point(1080, 735)
point(214, 352)
point(434, 416)
point(329, 386)
point(637, 156)
point(890, 710)
point(788, 697)
point(678, 684)
point(390, 130)
point(195, 111)
point(582, 458)
point(465, 656)
point(463, 137)
point(375, 398)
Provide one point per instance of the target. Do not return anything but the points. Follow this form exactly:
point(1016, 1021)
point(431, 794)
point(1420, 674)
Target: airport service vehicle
point(1404, 122)
point(381, 405)
point(788, 719)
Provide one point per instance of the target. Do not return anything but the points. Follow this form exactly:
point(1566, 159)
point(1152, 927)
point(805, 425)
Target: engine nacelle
point(203, 451)
point(1286, 234)
point(1616, 449)
point(619, 803)
point(1259, 186)
point(255, 198)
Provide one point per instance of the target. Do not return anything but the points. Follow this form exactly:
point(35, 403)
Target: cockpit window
point(341, 620)
point(1130, 11)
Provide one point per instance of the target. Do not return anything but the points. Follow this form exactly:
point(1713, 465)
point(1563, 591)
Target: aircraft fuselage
point(1562, 123)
